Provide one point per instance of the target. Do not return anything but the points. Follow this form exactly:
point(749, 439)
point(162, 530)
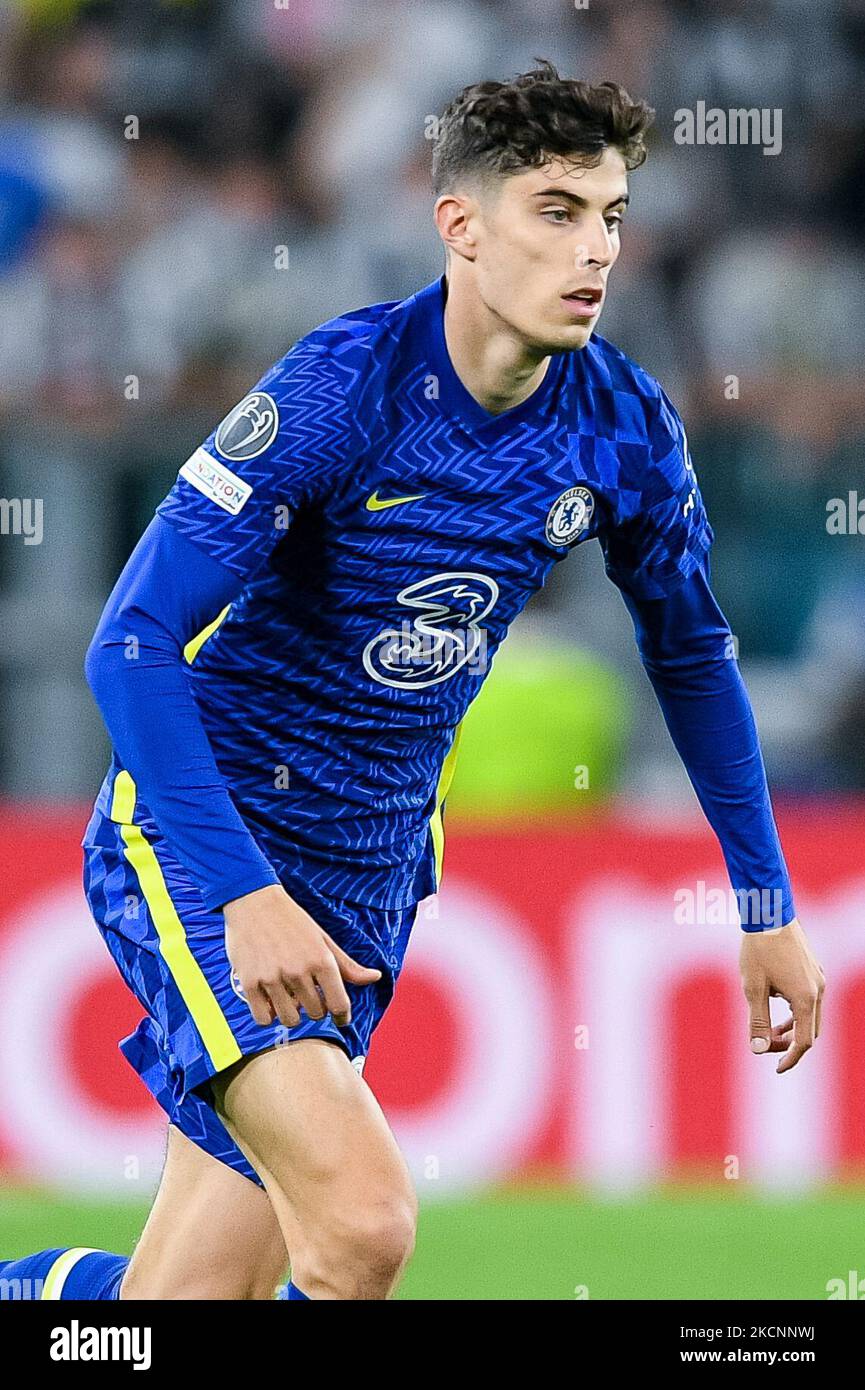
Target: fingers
point(282, 1000)
point(782, 965)
point(304, 994)
point(818, 1014)
point(263, 1010)
point(282, 1003)
point(318, 993)
point(334, 993)
point(804, 1025)
point(807, 1018)
point(782, 1035)
point(821, 990)
point(349, 968)
point(310, 978)
point(759, 1020)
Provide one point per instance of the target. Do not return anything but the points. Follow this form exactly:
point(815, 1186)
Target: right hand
point(284, 959)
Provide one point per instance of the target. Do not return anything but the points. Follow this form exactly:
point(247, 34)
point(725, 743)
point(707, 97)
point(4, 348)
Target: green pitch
point(552, 1243)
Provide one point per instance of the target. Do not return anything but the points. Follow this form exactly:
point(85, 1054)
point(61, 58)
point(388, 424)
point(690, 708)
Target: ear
point(454, 216)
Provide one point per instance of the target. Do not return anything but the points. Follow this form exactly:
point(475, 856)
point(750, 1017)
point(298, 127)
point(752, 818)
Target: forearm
point(686, 649)
point(136, 670)
point(716, 738)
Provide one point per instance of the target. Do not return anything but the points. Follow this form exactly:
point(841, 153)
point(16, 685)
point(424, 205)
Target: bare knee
point(358, 1253)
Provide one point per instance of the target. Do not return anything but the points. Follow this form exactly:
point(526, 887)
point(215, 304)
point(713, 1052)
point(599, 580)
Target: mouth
point(585, 302)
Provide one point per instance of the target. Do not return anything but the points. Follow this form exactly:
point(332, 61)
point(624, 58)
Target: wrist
point(769, 931)
point(238, 905)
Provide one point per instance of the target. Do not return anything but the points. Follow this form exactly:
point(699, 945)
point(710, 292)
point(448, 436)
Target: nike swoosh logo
point(375, 504)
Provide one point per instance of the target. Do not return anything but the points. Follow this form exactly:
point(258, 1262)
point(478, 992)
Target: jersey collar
point(454, 396)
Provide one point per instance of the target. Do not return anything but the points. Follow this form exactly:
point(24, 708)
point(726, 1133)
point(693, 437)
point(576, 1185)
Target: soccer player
point(284, 664)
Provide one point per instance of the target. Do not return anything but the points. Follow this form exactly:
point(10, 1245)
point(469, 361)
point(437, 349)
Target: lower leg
point(211, 1234)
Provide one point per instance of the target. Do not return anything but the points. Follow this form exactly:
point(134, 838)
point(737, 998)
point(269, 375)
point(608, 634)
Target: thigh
point(316, 1135)
point(211, 1234)
point(170, 950)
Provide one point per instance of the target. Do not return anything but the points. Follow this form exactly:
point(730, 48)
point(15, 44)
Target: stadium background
point(186, 188)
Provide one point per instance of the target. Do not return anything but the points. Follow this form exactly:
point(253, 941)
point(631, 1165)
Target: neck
point(493, 364)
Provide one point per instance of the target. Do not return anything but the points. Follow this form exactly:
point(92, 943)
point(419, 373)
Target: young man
point(366, 524)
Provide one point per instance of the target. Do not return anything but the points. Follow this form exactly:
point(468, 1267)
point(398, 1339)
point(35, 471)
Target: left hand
point(780, 963)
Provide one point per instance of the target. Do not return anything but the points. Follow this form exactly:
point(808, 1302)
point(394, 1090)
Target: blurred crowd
point(188, 186)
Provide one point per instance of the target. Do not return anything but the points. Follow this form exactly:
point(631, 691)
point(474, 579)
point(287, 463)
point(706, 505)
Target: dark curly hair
point(500, 128)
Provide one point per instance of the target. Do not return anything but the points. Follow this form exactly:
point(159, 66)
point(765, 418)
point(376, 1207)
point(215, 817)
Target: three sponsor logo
point(442, 635)
point(445, 633)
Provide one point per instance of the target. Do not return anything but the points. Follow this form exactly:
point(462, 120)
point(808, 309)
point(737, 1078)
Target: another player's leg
point(310, 1131)
point(338, 1183)
point(211, 1234)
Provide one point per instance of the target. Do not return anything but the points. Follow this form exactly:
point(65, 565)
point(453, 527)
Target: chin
point(573, 338)
point(550, 339)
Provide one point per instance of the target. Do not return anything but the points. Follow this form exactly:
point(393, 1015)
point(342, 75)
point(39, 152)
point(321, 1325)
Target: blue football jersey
point(388, 529)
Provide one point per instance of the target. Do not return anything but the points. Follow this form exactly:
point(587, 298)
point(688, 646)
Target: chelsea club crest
point(569, 516)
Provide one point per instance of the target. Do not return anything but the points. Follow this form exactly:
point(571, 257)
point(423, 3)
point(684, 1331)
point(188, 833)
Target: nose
point(594, 247)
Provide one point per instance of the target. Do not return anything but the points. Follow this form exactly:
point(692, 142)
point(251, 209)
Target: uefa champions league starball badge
point(569, 516)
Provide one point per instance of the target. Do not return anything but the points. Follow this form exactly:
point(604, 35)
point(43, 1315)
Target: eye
point(614, 219)
point(557, 214)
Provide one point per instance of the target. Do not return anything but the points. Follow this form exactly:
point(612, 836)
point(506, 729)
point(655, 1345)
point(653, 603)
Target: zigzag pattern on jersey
point(334, 769)
point(313, 450)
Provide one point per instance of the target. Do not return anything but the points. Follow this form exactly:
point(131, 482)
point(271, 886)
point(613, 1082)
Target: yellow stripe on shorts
point(436, 819)
point(173, 945)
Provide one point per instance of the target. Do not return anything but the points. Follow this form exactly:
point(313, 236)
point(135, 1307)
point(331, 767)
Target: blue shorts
point(170, 950)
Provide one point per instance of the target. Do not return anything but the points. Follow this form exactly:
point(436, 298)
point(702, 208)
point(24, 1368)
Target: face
point(542, 244)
